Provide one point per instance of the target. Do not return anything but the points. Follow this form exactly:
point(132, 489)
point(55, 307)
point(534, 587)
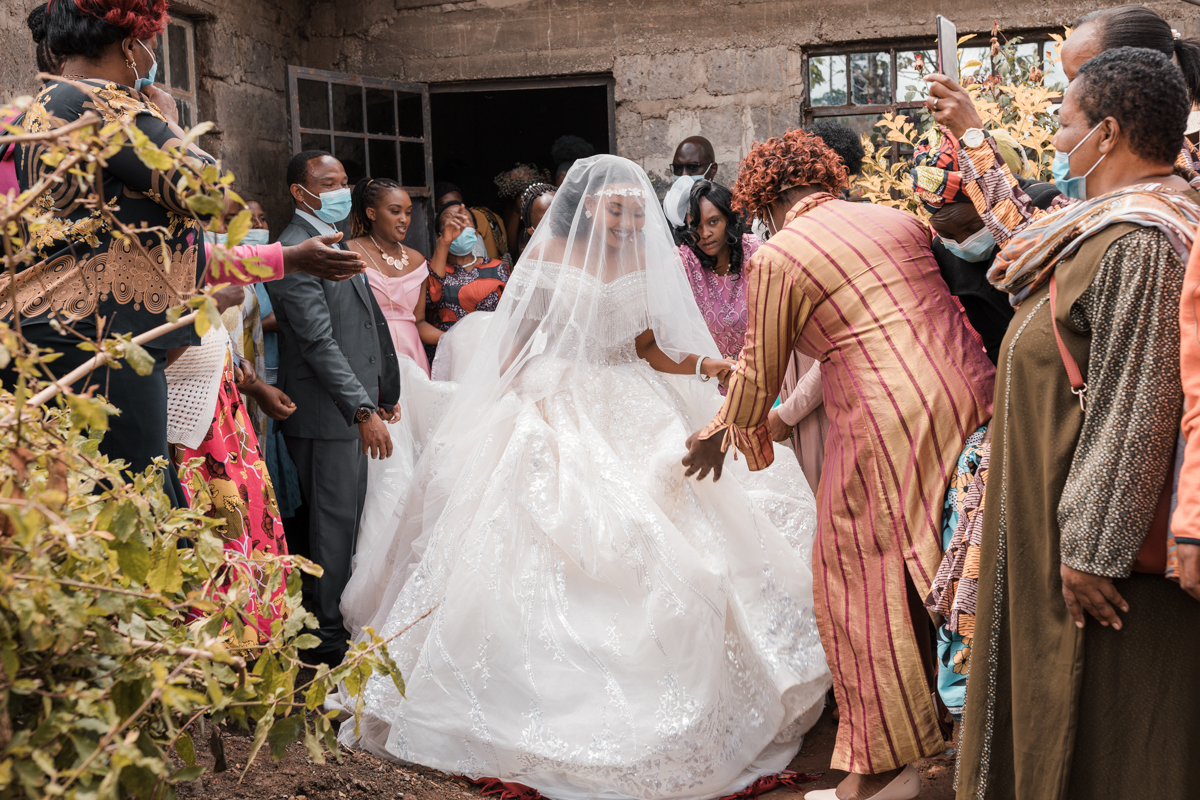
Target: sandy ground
point(361, 776)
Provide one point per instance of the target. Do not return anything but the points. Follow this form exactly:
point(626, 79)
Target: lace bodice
point(579, 310)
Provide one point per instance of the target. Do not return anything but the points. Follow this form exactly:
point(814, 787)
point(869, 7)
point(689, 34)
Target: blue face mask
point(975, 248)
point(464, 243)
point(215, 238)
point(335, 205)
point(142, 83)
point(1074, 188)
point(259, 236)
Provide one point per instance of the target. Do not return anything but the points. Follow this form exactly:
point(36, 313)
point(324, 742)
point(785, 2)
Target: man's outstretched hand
point(703, 456)
point(319, 258)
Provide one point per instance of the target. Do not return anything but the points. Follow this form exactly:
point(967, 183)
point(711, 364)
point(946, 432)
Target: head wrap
point(936, 176)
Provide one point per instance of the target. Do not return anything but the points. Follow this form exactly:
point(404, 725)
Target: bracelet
point(699, 364)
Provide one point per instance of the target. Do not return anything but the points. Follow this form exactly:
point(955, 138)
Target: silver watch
point(973, 137)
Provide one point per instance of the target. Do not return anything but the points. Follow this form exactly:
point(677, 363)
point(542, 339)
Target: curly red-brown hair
point(798, 158)
point(142, 19)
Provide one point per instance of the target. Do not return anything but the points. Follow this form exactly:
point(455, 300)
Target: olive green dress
point(1052, 711)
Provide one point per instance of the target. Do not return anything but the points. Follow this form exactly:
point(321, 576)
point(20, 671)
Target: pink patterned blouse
point(722, 299)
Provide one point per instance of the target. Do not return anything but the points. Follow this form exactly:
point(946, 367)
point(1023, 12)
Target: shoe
point(905, 786)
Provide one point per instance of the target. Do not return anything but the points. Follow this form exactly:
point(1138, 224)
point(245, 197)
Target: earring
point(587, 213)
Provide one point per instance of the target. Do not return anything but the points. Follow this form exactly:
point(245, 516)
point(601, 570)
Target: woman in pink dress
point(379, 219)
point(715, 249)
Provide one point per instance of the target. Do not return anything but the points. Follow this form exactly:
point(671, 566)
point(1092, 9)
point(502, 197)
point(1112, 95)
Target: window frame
point(163, 79)
point(809, 112)
point(418, 192)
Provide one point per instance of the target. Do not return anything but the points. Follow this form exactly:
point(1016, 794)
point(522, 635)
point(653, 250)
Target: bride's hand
point(719, 368)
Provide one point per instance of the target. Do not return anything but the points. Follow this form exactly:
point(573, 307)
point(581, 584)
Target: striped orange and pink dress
point(856, 286)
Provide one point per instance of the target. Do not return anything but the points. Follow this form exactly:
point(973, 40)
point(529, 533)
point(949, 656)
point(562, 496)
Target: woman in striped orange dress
point(857, 287)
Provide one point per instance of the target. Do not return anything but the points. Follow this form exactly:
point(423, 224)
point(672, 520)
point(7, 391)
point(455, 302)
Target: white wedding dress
point(601, 626)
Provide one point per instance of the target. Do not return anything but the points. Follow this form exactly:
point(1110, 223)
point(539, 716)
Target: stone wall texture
point(729, 70)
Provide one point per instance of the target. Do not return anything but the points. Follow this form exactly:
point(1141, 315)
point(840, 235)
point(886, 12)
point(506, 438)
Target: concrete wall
point(731, 71)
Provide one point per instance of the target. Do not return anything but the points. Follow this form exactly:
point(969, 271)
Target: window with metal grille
point(176, 54)
point(377, 128)
point(858, 85)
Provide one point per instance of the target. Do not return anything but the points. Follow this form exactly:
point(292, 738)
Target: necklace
point(391, 262)
point(375, 264)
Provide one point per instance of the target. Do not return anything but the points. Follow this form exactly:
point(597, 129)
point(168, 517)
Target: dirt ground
point(361, 776)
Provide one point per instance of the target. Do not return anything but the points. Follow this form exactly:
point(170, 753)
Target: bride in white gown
point(602, 626)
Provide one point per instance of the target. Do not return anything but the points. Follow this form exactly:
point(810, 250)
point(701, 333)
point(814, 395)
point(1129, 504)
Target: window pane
point(910, 66)
point(865, 123)
point(1055, 78)
point(314, 105)
point(187, 114)
point(381, 112)
point(411, 122)
point(161, 77)
point(412, 164)
point(314, 141)
point(177, 46)
point(347, 108)
point(383, 159)
point(827, 80)
point(981, 56)
point(871, 78)
point(352, 154)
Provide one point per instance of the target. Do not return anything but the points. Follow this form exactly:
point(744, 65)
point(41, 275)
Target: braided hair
point(47, 61)
point(525, 205)
point(366, 193)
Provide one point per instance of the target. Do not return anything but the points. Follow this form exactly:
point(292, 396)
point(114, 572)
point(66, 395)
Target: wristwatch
point(972, 137)
point(363, 414)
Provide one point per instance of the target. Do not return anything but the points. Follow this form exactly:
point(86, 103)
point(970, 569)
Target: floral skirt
point(228, 475)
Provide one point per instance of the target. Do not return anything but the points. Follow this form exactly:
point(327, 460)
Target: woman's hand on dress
point(274, 403)
point(1095, 594)
point(319, 258)
point(228, 297)
point(780, 430)
point(165, 102)
point(951, 105)
point(390, 416)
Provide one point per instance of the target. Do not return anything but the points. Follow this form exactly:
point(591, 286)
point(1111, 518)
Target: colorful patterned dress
point(233, 477)
point(463, 290)
point(857, 287)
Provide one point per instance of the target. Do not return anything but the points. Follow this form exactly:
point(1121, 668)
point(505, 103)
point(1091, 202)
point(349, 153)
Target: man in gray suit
point(338, 364)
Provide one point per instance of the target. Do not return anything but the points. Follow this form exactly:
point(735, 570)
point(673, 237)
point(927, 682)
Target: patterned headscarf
point(1028, 260)
point(936, 176)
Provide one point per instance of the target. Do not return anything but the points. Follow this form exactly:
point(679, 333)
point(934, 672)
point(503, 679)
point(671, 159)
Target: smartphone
point(947, 48)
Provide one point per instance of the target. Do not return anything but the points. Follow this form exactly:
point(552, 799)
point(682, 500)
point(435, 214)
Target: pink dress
point(397, 297)
point(722, 299)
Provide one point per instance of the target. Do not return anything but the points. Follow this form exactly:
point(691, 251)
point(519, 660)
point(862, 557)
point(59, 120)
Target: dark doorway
point(480, 130)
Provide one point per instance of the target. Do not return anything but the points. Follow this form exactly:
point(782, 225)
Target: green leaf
point(306, 641)
point(206, 205)
point(186, 749)
point(195, 133)
point(164, 576)
point(156, 159)
point(283, 733)
point(189, 773)
point(134, 560)
point(236, 230)
point(138, 358)
point(314, 698)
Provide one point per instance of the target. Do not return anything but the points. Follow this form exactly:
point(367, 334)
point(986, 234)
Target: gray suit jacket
point(336, 353)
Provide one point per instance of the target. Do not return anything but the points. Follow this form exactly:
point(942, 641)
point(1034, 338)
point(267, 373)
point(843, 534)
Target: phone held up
point(947, 48)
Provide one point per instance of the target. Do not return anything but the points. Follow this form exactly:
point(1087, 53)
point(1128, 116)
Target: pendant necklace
point(399, 264)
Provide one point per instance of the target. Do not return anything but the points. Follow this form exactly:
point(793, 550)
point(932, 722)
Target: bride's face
point(620, 212)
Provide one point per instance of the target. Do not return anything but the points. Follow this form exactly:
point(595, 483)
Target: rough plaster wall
point(730, 71)
point(18, 67)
